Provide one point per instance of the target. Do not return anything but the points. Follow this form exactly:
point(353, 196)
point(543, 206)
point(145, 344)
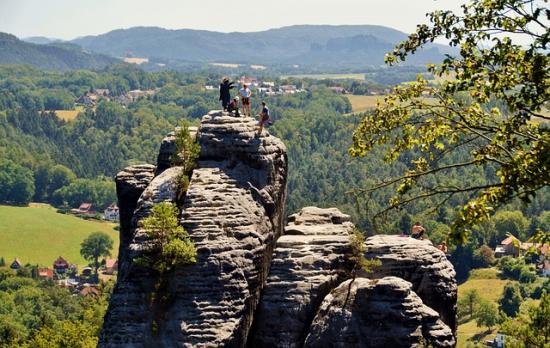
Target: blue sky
point(67, 19)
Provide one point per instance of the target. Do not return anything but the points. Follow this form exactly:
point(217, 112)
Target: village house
point(338, 90)
point(102, 92)
point(111, 213)
point(16, 264)
point(89, 100)
point(84, 209)
point(111, 266)
point(60, 265)
point(247, 80)
point(209, 87)
point(45, 273)
point(507, 248)
point(289, 89)
point(87, 271)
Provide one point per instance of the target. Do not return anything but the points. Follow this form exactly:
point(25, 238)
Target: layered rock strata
point(417, 261)
point(129, 319)
point(309, 261)
point(377, 313)
point(252, 285)
point(233, 211)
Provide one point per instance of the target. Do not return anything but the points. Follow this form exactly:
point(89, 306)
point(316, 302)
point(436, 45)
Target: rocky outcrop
point(168, 149)
point(130, 184)
point(377, 313)
point(417, 261)
point(254, 285)
point(233, 211)
point(129, 318)
point(309, 261)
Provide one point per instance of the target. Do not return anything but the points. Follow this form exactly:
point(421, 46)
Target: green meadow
point(38, 234)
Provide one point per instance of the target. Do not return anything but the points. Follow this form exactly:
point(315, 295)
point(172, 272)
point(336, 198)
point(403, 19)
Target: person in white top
point(245, 93)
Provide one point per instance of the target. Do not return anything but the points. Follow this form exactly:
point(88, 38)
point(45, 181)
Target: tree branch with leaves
point(490, 99)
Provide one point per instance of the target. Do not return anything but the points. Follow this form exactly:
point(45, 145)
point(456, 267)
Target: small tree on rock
point(170, 242)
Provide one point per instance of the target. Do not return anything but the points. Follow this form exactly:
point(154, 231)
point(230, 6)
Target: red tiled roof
point(508, 240)
point(60, 262)
point(109, 263)
point(45, 272)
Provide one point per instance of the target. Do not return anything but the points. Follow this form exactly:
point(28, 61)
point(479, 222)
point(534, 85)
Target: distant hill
point(52, 56)
point(41, 40)
point(351, 45)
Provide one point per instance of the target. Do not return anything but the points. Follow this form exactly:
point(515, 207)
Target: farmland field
point(489, 287)
point(362, 103)
point(69, 115)
point(328, 76)
point(38, 234)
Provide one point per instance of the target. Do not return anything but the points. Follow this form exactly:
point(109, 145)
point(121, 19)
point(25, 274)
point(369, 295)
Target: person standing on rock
point(264, 117)
point(225, 95)
point(418, 232)
point(245, 93)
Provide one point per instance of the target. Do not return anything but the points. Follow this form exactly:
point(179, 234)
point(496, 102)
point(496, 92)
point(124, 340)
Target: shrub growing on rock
point(172, 242)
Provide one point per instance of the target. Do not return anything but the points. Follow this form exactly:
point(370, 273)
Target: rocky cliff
point(257, 283)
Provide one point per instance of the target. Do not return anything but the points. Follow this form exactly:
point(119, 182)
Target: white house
point(111, 213)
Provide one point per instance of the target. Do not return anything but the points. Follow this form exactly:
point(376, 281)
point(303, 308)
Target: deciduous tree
point(491, 102)
point(96, 245)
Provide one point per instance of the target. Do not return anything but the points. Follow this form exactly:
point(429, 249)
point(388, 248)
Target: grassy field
point(69, 115)
point(489, 287)
point(38, 234)
point(362, 103)
point(328, 76)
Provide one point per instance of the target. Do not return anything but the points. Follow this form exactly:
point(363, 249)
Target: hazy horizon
point(66, 19)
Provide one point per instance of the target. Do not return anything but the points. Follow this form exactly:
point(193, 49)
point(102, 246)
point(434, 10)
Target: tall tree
point(487, 314)
point(96, 245)
point(491, 102)
point(533, 329)
point(511, 300)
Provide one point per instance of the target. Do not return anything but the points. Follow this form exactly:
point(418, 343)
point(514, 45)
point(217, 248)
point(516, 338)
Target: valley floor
point(38, 234)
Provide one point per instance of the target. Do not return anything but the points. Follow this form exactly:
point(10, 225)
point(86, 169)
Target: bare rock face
point(309, 261)
point(168, 149)
point(233, 211)
point(129, 318)
point(419, 262)
point(130, 184)
point(380, 313)
point(254, 285)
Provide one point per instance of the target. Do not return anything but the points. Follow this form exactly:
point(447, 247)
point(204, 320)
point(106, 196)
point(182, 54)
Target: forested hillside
point(53, 56)
point(67, 162)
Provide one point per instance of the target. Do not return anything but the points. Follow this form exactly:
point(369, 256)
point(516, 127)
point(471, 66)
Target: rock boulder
point(377, 313)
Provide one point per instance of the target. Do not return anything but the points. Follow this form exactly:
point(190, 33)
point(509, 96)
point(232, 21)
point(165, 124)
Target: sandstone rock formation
point(377, 313)
point(252, 285)
point(419, 262)
point(309, 261)
point(233, 211)
point(129, 318)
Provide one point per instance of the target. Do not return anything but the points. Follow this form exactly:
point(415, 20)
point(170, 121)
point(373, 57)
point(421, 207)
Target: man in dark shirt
point(225, 95)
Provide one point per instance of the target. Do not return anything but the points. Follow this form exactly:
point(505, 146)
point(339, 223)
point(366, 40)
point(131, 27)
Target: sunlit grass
point(38, 234)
